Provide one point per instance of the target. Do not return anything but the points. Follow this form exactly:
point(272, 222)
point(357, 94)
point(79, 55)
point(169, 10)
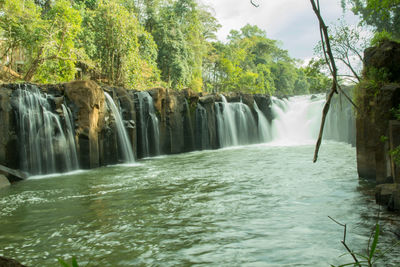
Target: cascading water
point(340, 121)
point(44, 148)
point(70, 136)
point(201, 134)
point(149, 133)
point(124, 143)
point(263, 125)
point(188, 128)
point(297, 119)
point(236, 124)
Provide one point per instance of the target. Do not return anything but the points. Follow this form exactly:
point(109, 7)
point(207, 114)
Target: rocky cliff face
point(377, 95)
point(159, 121)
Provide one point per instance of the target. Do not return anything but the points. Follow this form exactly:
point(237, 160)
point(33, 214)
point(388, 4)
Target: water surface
point(261, 205)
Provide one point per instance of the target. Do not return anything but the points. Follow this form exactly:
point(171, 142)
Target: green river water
point(260, 205)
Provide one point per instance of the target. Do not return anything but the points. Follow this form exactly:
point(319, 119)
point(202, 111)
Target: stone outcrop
point(6, 262)
point(8, 136)
point(88, 103)
point(376, 131)
point(3, 181)
point(385, 56)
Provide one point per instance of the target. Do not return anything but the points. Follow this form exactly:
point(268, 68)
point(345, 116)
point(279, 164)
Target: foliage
point(140, 44)
point(253, 63)
point(372, 255)
point(347, 44)
point(74, 262)
point(317, 81)
point(48, 38)
point(383, 15)
point(380, 37)
point(395, 153)
point(123, 51)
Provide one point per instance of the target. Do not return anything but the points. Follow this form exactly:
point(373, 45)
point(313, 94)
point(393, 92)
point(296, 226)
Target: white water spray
point(124, 143)
point(297, 119)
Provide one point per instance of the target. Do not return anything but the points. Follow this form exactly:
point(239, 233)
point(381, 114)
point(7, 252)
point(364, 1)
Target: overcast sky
point(293, 22)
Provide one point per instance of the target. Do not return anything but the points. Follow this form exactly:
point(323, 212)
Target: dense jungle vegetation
point(145, 43)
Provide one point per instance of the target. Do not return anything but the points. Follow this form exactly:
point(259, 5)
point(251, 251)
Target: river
point(257, 205)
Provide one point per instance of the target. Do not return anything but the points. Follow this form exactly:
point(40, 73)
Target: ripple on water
point(245, 206)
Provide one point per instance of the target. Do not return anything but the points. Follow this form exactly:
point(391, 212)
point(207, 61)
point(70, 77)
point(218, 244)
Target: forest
point(139, 44)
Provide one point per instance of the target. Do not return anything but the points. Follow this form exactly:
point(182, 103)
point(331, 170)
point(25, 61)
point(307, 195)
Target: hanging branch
point(330, 61)
point(254, 4)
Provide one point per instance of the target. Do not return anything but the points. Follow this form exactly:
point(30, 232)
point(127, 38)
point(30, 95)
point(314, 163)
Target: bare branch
point(344, 241)
point(330, 61)
point(254, 4)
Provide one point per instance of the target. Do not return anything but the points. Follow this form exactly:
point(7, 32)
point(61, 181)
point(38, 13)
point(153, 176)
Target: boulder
point(386, 55)
point(4, 181)
point(88, 105)
point(6, 262)
point(388, 195)
point(264, 104)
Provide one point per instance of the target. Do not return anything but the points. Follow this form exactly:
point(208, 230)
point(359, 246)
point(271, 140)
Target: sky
point(292, 22)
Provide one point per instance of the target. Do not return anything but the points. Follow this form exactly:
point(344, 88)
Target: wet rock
point(208, 99)
point(89, 102)
point(5, 262)
point(388, 195)
point(372, 153)
point(264, 104)
point(4, 181)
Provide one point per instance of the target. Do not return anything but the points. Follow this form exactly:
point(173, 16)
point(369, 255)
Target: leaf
point(374, 242)
point(63, 263)
point(74, 262)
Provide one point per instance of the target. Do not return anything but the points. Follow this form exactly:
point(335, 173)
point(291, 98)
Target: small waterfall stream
point(201, 134)
point(124, 143)
point(263, 125)
point(149, 133)
point(236, 124)
point(70, 136)
point(44, 147)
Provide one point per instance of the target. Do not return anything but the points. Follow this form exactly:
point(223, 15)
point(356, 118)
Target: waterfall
point(263, 126)
point(297, 119)
point(235, 124)
point(149, 133)
point(201, 135)
point(124, 143)
point(70, 136)
point(44, 147)
point(188, 128)
point(340, 121)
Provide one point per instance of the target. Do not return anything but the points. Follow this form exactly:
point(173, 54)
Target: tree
point(318, 82)
point(46, 37)
point(119, 46)
point(348, 44)
point(383, 15)
point(173, 50)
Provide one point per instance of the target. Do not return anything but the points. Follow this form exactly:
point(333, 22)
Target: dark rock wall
point(184, 118)
point(8, 137)
point(377, 133)
point(374, 113)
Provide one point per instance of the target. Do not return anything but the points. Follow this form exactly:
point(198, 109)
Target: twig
point(254, 4)
point(341, 224)
point(344, 241)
